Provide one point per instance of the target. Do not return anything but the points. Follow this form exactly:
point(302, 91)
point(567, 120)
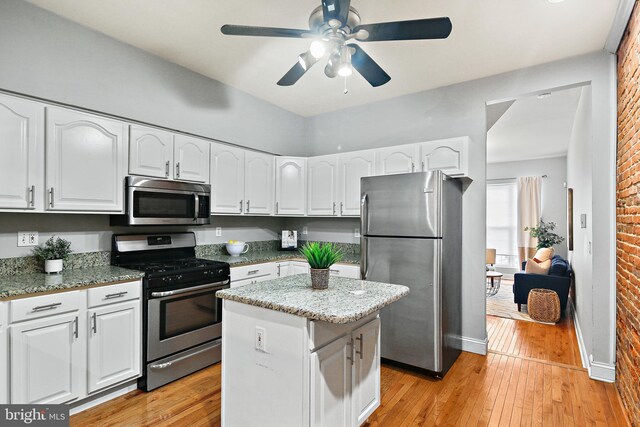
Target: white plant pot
point(53, 266)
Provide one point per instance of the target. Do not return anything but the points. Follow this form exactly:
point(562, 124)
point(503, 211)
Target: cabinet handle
point(178, 170)
point(51, 197)
point(166, 169)
point(422, 166)
point(95, 323)
point(279, 270)
point(32, 197)
point(240, 206)
point(75, 331)
point(334, 208)
point(252, 271)
point(276, 207)
point(334, 271)
point(350, 353)
point(161, 365)
point(47, 307)
point(359, 352)
point(248, 201)
point(116, 295)
point(413, 167)
point(341, 204)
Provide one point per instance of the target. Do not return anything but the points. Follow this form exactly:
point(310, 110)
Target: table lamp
point(490, 259)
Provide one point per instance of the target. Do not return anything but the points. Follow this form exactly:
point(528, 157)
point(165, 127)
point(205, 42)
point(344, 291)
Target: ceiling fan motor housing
point(317, 23)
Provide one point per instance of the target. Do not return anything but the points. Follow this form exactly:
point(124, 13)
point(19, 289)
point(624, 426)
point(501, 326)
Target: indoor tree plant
point(53, 252)
point(320, 256)
point(545, 235)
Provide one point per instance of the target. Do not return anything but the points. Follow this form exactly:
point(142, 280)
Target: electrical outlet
point(356, 232)
point(260, 339)
point(305, 230)
point(27, 238)
point(218, 231)
point(583, 220)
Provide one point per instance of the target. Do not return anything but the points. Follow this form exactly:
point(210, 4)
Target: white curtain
point(529, 207)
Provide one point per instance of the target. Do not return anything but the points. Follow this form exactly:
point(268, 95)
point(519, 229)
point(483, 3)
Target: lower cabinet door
point(298, 267)
point(283, 269)
point(114, 344)
point(365, 397)
point(331, 385)
point(47, 364)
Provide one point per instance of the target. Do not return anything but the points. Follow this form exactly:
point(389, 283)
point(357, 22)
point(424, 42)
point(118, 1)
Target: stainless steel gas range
point(182, 317)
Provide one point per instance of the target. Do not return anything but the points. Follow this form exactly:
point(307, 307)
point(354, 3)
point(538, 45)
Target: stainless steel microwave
point(163, 202)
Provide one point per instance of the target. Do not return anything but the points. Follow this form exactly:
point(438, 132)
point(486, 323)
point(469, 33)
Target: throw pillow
point(532, 267)
point(543, 254)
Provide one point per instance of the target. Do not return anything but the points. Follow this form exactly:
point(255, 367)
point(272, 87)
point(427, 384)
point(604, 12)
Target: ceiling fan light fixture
point(345, 69)
point(306, 60)
point(318, 49)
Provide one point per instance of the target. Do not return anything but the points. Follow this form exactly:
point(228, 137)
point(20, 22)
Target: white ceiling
point(534, 128)
point(489, 37)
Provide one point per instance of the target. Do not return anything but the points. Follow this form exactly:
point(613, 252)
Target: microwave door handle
point(196, 201)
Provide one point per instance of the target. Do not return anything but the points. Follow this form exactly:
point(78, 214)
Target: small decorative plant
point(320, 256)
point(545, 235)
point(53, 252)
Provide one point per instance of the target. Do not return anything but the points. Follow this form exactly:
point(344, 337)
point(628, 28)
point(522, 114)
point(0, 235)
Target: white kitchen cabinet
point(85, 162)
point(322, 186)
point(4, 360)
point(227, 179)
point(299, 267)
point(448, 155)
point(114, 344)
point(22, 159)
point(398, 159)
point(365, 389)
point(254, 273)
point(352, 167)
point(258, 183)
point(283, 269)
point(150, 152)
point(291, 185)
point(191, 159)
point(345, 270)
point(331, 376)
point(47, 360)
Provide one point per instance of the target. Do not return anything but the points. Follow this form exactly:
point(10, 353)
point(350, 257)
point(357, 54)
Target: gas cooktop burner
point(172, 265)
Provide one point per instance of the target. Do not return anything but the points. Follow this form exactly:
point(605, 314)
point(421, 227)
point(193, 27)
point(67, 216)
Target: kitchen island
point(294, 356)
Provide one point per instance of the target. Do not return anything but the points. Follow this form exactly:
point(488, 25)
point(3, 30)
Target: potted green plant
point(320, 256)
point(53, 252)
point(545, 235)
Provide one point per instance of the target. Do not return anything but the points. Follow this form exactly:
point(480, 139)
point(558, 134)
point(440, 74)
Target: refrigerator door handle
point(363, 258)
point(364, 214)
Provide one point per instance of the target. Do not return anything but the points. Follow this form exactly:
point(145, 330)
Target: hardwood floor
point(531, 377)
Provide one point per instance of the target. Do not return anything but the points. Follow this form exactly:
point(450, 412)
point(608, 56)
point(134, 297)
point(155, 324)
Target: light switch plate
point(27, 238)
point(583, 220)
point(305, 230)
point(356, 232)
point(260, 339)
point(218, 231)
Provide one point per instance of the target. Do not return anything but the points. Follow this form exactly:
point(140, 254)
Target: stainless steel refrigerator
point(411, 228)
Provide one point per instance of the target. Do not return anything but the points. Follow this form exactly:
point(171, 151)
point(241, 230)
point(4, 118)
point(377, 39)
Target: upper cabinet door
point(227, 179)
point(322, 185)
point(291, 185)
point(21, 136)
point(448, 155)
point(352, 167)
point(400, 159)
point(191, 159)
point(85, 162)
point(150, 152)
point(258, 184)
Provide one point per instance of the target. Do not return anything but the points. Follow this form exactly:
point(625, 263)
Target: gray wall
point(460, 110)
point(49, 57)
point(554, 193)
point(326, 229)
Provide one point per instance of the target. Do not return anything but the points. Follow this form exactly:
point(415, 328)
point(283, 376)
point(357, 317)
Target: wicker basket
point(544, 305)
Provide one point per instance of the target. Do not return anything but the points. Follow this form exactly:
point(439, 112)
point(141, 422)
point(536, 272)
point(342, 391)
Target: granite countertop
point(272, 256)
point(338, 304)
point(34, 283)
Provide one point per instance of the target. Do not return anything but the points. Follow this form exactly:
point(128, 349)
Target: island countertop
point(343, 302)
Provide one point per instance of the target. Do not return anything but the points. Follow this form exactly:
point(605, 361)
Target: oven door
point(183, 318)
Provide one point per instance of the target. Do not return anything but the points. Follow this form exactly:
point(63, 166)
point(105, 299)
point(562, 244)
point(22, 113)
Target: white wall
point(579, 177)
point(554, 193)
point(460, 110)
point(88, 233)
point(46, 56)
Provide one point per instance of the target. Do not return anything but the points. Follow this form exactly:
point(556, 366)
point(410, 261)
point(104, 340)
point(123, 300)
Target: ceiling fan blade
point(243, 30)
point(305, 61)
point(420, 29)
point(336, 9)
point(367, 67)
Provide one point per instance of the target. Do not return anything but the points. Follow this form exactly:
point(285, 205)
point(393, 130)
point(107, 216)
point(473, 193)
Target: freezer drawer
point(405, 205)
point(411, 327)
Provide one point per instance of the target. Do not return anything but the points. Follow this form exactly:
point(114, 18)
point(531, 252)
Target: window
point(501, 221)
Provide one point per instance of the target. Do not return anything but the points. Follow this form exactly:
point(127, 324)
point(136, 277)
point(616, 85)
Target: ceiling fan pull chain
point(346, 90)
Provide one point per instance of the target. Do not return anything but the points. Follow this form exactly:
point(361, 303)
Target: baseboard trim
point(473, 345)
point(102, 397)
point(602, 372)
point(576, 325)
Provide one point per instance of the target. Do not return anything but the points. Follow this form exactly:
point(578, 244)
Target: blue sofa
point(558, 280)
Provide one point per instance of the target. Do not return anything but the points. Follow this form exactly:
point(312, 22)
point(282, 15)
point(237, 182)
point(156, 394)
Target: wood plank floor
point(518, 383)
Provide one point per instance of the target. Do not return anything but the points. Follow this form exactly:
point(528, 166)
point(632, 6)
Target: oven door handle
point(186, 290)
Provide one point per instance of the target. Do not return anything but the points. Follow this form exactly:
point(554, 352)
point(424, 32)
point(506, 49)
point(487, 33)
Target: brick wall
point(628, 220)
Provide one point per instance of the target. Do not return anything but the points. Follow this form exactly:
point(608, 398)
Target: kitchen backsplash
point(29, 264)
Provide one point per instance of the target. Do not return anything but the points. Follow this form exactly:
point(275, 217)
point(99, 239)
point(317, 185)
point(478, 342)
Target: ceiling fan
point(332, 26)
